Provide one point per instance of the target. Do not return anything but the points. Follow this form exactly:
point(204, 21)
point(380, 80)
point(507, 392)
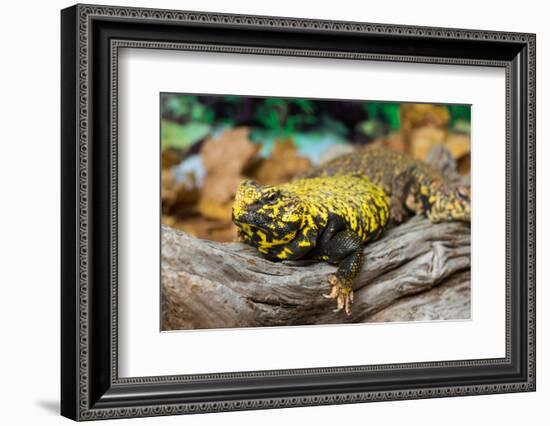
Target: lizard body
point(324, 218)
point(330, 214)
point(412, 185)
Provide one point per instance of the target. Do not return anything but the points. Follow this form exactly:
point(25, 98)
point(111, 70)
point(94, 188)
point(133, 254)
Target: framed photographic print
point(263, 212)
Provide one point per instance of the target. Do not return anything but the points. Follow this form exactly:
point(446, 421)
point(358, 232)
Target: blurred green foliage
point(181, 136)
point(459, 113)
point(187, 119)
point(285, 116)
point(385, 112)
point(187, 108)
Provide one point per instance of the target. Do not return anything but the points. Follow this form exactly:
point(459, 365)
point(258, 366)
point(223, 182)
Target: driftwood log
point(417, 271)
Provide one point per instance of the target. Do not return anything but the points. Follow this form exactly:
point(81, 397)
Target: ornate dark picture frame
point(91, 36)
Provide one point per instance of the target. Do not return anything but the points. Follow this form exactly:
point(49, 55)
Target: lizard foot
point(342, 293)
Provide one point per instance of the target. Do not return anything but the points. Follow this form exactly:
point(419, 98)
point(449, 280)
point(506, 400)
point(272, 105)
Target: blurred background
point(210, 142)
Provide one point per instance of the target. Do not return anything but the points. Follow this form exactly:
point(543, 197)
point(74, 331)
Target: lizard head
point(267, 215)
point(449, 204)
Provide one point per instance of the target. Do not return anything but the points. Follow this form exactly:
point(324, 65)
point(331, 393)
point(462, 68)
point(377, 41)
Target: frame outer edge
point(83, 176)
point(531, 199)
point(69, 190)
point(81, 368)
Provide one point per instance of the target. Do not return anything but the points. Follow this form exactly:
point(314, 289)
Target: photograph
point(280, 211)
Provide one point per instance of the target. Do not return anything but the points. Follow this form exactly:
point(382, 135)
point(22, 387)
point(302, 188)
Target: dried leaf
point(177, 197)
point(282, 165)
point(171, 157)
point(424, 139)
point(421, 115)
point(395, 142)
point(224, 160)
point(213, 230)
point(458, 144)
point(229, 153)
point(464, 165)
point(215, 210)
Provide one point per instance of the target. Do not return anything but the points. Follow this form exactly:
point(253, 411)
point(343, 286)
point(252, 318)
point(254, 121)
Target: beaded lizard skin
point(412, 185)
point(333, 212)
point(324, 218)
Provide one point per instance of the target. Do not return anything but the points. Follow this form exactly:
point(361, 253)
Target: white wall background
point(29, 213)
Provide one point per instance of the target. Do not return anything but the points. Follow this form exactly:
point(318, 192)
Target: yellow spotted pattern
point(363, 205)
point(305, 205)
point(428, 193)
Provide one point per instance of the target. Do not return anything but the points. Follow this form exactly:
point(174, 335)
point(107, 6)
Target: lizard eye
point(272, 196)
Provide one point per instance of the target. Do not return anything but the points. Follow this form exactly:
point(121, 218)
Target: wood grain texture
point(417, 271)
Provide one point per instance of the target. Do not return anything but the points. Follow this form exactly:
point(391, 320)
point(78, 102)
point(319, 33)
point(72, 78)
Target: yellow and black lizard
point(330, 214)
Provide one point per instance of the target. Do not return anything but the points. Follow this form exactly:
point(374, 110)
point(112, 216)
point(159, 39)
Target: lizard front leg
point(342, 281)
point(346, 249)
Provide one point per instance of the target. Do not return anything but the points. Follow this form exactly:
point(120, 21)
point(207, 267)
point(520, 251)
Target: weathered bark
point(417, 271)
point(449, 300)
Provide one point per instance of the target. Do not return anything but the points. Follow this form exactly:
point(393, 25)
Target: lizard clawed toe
point(342, 293)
